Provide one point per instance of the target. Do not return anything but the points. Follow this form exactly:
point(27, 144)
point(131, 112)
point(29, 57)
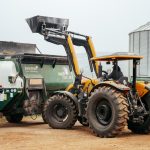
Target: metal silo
point(139, 43)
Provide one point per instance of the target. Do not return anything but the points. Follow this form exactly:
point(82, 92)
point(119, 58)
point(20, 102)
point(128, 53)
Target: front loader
point(82, 85)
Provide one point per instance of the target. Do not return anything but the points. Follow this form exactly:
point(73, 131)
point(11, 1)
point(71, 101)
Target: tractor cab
point(116, 74)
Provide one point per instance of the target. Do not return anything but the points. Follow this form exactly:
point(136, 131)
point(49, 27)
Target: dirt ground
point(34, 135)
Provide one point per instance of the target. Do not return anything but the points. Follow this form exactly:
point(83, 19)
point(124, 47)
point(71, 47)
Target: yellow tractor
point(116, 102)
point(109, 104)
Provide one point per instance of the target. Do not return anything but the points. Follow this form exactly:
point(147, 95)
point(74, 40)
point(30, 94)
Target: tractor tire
point(107, 112)
point(145, 126)
point(60, 112)
point(44, 118)
point(16, 118)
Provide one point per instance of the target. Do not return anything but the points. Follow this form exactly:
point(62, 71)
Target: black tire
point(44, 118)
point(145, 126)
point(16, 118)
point(60, 112)
point(107, 112)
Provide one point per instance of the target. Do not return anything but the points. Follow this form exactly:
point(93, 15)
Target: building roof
point(145, 27)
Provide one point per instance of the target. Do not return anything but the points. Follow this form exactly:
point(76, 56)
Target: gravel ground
point(34, 135)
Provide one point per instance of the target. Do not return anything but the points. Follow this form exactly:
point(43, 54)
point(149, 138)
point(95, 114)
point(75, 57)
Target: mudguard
point(69, 94)
point(142, 88)
point(117, 86)
point(147, 88)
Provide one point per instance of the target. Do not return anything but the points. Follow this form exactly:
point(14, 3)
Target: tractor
point(106, 104)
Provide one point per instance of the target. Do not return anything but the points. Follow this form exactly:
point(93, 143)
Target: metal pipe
point(74, 57)
point(93, 51)
point(134, 76)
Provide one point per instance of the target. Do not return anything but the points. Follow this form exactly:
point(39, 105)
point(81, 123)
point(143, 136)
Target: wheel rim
point(104, 112)
point(60, 112)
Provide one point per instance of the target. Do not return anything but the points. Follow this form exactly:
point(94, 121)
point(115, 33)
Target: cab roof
point(118, 56)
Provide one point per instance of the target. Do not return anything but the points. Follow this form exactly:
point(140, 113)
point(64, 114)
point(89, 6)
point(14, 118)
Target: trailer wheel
point(60, 112)
point(107, 112)
point(16, 118)
point(145, 126)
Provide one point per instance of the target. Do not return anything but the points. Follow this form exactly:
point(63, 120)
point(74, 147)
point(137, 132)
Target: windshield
point(122, 64)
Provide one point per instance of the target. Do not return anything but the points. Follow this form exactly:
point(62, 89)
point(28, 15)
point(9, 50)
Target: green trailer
point(27, 81)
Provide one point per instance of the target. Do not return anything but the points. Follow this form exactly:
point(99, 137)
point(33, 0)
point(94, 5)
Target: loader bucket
point(35, 23)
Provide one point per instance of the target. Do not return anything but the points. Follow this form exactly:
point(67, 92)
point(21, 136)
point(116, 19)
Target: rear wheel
point(145, 126)
point(107, 112)
point(60, 112)
point(15, 118)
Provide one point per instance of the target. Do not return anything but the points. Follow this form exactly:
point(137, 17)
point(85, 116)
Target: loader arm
point(67, 43)
point(55, 31)
point(90, 50)
point(87, 43)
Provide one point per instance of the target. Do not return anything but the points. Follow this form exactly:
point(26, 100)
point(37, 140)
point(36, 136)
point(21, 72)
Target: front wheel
point(15, 118)
point(145, 126)
point(107, 112)
point(60, 112)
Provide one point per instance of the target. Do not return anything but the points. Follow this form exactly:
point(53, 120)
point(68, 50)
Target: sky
point(108, 22)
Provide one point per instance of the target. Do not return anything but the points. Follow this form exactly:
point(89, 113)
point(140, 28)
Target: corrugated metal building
point(16, 48)
point(139, 43)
